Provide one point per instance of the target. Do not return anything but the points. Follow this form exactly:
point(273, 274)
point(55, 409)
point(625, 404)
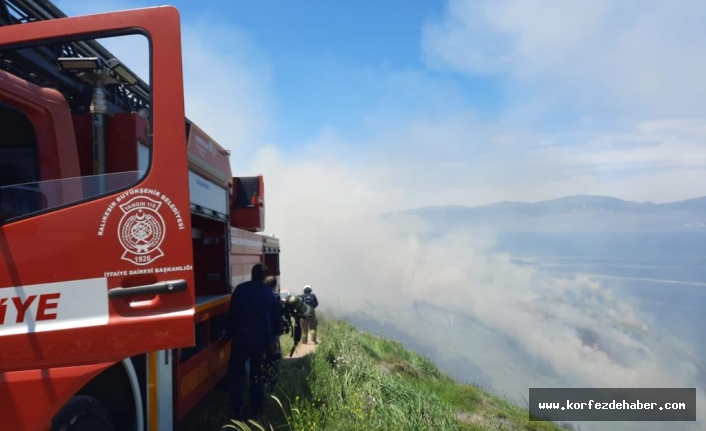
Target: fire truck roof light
point(117, 67)
point(79, 63)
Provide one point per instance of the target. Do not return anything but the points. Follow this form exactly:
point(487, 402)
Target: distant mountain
point(580, 212)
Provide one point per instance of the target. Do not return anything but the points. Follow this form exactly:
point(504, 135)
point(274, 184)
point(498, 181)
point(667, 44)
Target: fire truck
point(122, 229)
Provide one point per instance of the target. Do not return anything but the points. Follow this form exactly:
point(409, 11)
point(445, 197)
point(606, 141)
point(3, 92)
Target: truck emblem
point(141, 230)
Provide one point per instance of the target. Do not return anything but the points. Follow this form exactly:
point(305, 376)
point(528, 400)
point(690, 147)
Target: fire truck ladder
point(40, 65)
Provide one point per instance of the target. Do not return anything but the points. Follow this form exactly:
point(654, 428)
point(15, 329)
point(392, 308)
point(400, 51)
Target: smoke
point(325, 213)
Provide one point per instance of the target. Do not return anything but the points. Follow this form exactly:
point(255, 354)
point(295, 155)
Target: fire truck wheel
point(83, 413)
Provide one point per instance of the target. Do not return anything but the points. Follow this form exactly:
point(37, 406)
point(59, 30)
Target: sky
point(352, 109)
point(454, 102)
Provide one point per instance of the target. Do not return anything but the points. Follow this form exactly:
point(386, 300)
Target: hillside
point(572, 213)
point(357, 381)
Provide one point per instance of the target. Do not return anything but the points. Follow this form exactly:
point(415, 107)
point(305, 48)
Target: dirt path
point(302, 350)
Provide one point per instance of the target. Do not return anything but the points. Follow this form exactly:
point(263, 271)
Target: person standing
point(254, 326)
point(309, 324)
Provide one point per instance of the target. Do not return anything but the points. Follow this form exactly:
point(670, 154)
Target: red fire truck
point(122, 229)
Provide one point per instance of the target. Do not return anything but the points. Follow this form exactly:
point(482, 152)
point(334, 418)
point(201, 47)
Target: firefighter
point(309, 324)
point(254, 326)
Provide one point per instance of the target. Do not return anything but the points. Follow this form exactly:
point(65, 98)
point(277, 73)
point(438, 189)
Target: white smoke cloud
point(322, 211)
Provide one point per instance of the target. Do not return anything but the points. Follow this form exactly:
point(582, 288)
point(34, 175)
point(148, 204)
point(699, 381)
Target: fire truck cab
point(122, 229)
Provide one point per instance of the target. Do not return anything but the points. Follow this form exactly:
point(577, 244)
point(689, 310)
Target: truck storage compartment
point(210, 256)
point(209, 215)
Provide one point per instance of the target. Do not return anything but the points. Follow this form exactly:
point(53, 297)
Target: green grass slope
point(357, 381)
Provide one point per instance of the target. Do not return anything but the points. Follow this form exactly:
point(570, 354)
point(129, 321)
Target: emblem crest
point(141, 230)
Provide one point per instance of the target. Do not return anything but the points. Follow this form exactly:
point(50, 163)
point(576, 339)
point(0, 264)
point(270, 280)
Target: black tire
point(83, 413)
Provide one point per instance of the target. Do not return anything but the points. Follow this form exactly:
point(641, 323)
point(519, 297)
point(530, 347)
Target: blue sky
point(450, 102)
point(321, 71)
point(332, 61)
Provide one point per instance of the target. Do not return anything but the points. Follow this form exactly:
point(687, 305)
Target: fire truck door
point(94, 267)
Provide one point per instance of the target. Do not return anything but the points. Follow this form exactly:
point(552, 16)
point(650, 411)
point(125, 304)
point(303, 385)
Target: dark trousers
point(236, 369)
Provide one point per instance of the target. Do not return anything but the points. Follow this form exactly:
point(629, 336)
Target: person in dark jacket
point(309, 324)
point(254, 326)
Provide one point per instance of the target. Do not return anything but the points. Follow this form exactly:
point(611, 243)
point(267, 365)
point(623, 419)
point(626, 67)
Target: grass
point(357, 381)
